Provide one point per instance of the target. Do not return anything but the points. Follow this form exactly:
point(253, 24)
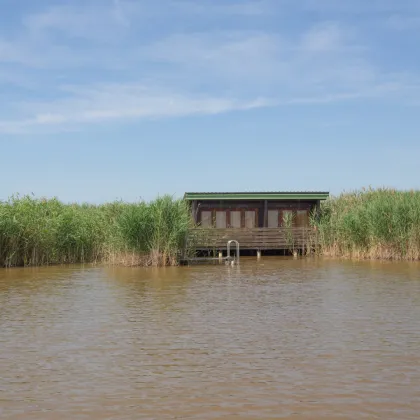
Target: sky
point(104, 100)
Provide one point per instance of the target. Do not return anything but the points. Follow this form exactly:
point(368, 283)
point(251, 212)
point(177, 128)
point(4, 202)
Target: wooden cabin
point(258, 220)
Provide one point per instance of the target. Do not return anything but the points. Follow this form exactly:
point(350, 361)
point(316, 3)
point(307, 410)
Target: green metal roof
point(256, 195)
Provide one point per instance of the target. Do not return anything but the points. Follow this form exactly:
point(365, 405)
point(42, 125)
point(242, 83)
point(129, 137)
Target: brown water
point(282, 339)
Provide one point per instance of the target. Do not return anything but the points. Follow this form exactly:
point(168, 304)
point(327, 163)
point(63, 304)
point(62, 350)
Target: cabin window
point(221, 219)
point(235, 219)
point(273, 219)
point(250, 217)
point(302, 218)
point(206, 219)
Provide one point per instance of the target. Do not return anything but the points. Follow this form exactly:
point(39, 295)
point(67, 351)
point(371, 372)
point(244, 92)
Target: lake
point(275, 339)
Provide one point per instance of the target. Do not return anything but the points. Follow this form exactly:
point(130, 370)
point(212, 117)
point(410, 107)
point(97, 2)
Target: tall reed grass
point(373, 224)
point(40, 231)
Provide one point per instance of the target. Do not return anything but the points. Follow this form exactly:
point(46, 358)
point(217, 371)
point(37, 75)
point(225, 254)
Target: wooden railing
point(257, 238)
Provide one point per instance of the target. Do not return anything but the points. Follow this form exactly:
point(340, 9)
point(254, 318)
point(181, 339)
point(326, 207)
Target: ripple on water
point(298, 339)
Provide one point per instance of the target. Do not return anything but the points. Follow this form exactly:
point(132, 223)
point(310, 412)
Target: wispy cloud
point(221, 56)
point(324, 56)
point(99, 24)
point(114, 60)
point(106, 20)
point(120, 102)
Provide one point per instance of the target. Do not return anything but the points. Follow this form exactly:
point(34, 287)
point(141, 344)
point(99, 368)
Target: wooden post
point(265, 213)
point(194, 211)
point(258, 255)
point(220, 255)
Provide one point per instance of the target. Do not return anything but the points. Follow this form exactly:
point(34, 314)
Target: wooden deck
point(253, 239)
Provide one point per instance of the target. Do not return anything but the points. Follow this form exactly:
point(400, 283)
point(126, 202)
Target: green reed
point(375, 224)
point(40, 231)
point(157, 229)
point(382, 223)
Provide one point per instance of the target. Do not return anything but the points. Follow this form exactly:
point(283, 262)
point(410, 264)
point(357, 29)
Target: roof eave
point(258, 196)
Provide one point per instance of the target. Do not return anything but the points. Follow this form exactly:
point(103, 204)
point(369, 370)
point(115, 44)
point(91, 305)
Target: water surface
point(279, 339)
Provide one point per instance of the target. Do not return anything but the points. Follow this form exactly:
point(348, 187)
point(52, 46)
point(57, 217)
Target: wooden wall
point(262, 207)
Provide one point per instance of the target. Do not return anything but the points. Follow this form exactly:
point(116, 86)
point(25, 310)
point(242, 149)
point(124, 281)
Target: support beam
point(194, 211)
point(265, 213)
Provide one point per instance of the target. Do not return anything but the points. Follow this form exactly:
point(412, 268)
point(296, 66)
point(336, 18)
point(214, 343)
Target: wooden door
point(302, 218)
point(206, 218)
point(273, 219)
point(221, 219)
point(236, 219)
point(250, 219)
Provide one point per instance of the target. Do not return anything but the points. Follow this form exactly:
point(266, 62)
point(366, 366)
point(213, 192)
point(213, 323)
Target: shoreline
point(143, 261)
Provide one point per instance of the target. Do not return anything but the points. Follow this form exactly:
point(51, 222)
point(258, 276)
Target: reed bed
point(45, 231)
point(368, 224)
point(371, 224)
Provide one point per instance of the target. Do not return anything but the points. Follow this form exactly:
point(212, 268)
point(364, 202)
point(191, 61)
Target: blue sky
point(128, 99)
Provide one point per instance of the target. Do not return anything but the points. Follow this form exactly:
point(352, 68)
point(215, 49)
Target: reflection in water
point(298, 339)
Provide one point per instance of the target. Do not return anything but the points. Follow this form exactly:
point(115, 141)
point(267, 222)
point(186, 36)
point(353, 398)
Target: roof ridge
point(257, 192)
point(321, 195)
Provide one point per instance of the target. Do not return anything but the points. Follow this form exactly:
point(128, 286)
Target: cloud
point(121, 102)
point(105, 24)
point(121, 60)
point(324, 56)
point(106, 21)
point(34, 54)
point(221, 56)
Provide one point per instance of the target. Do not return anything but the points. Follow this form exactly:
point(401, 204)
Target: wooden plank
point(257, 238)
